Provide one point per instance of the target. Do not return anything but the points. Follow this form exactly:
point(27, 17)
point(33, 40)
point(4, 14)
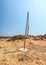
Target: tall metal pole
point(27, 29)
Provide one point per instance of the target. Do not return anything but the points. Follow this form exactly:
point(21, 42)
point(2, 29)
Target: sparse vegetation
point(9, 54)
point(36, 38)
point(18, 37)
point(8, 40)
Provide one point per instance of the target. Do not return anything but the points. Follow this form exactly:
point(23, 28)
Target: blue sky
point(13, 17)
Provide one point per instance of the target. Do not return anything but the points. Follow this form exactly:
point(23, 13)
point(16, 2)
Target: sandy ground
point(10, 55)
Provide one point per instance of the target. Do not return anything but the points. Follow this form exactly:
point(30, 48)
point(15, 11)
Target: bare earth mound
point(10, 55)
